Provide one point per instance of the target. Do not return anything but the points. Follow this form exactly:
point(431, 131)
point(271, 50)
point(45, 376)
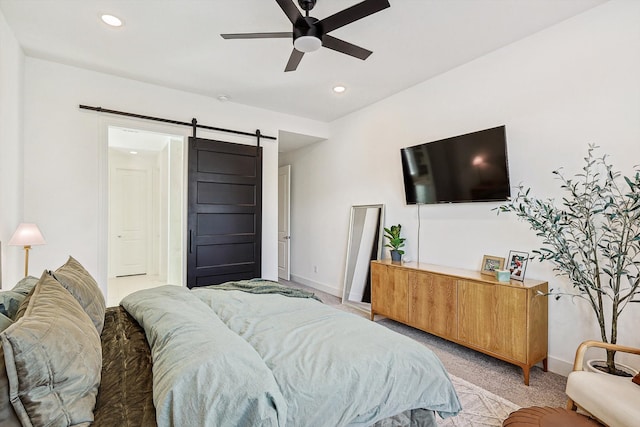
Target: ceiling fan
point(309, 33)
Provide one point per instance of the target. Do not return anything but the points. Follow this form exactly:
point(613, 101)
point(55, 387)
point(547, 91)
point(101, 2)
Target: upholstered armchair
point(612, 400)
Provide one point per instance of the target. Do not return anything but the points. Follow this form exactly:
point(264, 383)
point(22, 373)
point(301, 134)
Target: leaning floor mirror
point(364, 245)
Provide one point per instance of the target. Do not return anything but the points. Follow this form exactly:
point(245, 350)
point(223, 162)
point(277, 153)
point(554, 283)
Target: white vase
point(591, 362)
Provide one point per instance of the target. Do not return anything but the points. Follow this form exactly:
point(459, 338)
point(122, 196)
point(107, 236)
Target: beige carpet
point(479, 407)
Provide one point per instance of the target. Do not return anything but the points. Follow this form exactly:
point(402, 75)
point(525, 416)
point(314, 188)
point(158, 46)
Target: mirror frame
point(350, 263)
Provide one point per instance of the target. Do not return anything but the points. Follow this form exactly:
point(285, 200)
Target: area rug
point(480, 408)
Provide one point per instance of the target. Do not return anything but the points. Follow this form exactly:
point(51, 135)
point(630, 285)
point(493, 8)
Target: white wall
point(11, 213)
point(65, 154)
point(556, 91)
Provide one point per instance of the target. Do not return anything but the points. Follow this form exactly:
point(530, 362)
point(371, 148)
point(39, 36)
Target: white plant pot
point(591, 362)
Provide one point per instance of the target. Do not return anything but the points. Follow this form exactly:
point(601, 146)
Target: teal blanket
point(203, 373)
point(302, 363)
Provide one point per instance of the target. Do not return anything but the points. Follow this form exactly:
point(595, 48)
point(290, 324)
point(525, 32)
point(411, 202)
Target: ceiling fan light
point(307, 44)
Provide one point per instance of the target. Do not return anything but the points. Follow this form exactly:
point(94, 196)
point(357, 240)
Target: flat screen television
point(465, 168)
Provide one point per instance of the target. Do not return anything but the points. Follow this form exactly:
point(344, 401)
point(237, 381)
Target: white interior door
point(129, 218)
point(284, 217)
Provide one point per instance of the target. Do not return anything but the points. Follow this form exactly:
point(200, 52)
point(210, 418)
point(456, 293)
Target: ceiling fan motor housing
point(310, 28)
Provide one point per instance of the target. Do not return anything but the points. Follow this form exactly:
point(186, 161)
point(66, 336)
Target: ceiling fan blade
point(345, 47)
point(291, 10)
point(294, 60)
point(353, 13)
point(257, 36)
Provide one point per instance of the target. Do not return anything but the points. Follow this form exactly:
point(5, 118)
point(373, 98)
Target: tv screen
point(466, 168)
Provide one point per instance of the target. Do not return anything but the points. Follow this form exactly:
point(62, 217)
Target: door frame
point(104, 123)
point(285, 240)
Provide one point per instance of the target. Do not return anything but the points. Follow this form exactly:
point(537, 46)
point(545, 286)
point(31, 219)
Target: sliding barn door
point(225, 212)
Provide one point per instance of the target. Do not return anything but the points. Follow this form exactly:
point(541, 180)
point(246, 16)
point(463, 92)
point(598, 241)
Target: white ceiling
point(177, 43)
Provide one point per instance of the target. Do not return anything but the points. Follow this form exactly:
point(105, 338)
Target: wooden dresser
point(504, 320)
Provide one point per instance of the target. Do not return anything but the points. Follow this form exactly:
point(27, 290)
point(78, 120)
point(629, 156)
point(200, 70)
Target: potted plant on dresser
point(593, 239)
point(395, 242)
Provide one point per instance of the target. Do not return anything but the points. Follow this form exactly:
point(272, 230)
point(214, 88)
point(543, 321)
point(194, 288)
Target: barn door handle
point(190, 241)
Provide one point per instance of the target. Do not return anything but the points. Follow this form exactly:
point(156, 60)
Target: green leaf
point(592, 236)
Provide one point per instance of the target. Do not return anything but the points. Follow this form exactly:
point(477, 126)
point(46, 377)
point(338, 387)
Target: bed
point(251, 353)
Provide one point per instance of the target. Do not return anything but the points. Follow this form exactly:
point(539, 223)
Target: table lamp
point(27, 235)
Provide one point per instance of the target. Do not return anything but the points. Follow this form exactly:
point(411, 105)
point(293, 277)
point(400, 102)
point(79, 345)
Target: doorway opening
point(292, 149)
point(284, 222)
point(145, 211)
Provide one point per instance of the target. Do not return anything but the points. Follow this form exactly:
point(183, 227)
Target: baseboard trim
point(316, 285)
point(558, 366)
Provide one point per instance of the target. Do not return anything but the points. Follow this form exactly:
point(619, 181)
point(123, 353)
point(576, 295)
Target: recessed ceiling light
point(223, 98)
point(111, 20)
point(339, 89)
point(133, 152)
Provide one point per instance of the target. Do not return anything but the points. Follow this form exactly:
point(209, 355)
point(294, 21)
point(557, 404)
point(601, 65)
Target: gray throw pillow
point(53, 359)
point(9, 303)
point(25, 285)
point(5, 322)
point(10, 300)
point(73, 276)
point(8, 417)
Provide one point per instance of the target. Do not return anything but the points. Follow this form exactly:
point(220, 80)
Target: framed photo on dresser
point(490, 264)
point(517, 264)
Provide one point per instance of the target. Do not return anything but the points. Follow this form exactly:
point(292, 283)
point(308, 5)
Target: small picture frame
point(517, 264)
point(490, 264)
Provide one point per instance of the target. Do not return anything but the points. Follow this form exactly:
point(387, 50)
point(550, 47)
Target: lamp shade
point(27, 234)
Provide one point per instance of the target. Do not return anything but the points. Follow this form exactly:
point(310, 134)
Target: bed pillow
point(8, 417)
point(9, 303)
point(53, 359)
point(10, 300)
point(5, 322)
point(73, 276)
point(25, 285)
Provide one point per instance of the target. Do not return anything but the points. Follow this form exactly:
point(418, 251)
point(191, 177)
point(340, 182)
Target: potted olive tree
point(395, 242)
point(592, 237)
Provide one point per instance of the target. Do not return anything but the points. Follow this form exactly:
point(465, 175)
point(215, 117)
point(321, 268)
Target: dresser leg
point(525, 372)
point(544, 364)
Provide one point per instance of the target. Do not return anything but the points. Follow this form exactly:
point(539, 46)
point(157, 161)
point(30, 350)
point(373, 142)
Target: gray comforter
point(232, 358)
